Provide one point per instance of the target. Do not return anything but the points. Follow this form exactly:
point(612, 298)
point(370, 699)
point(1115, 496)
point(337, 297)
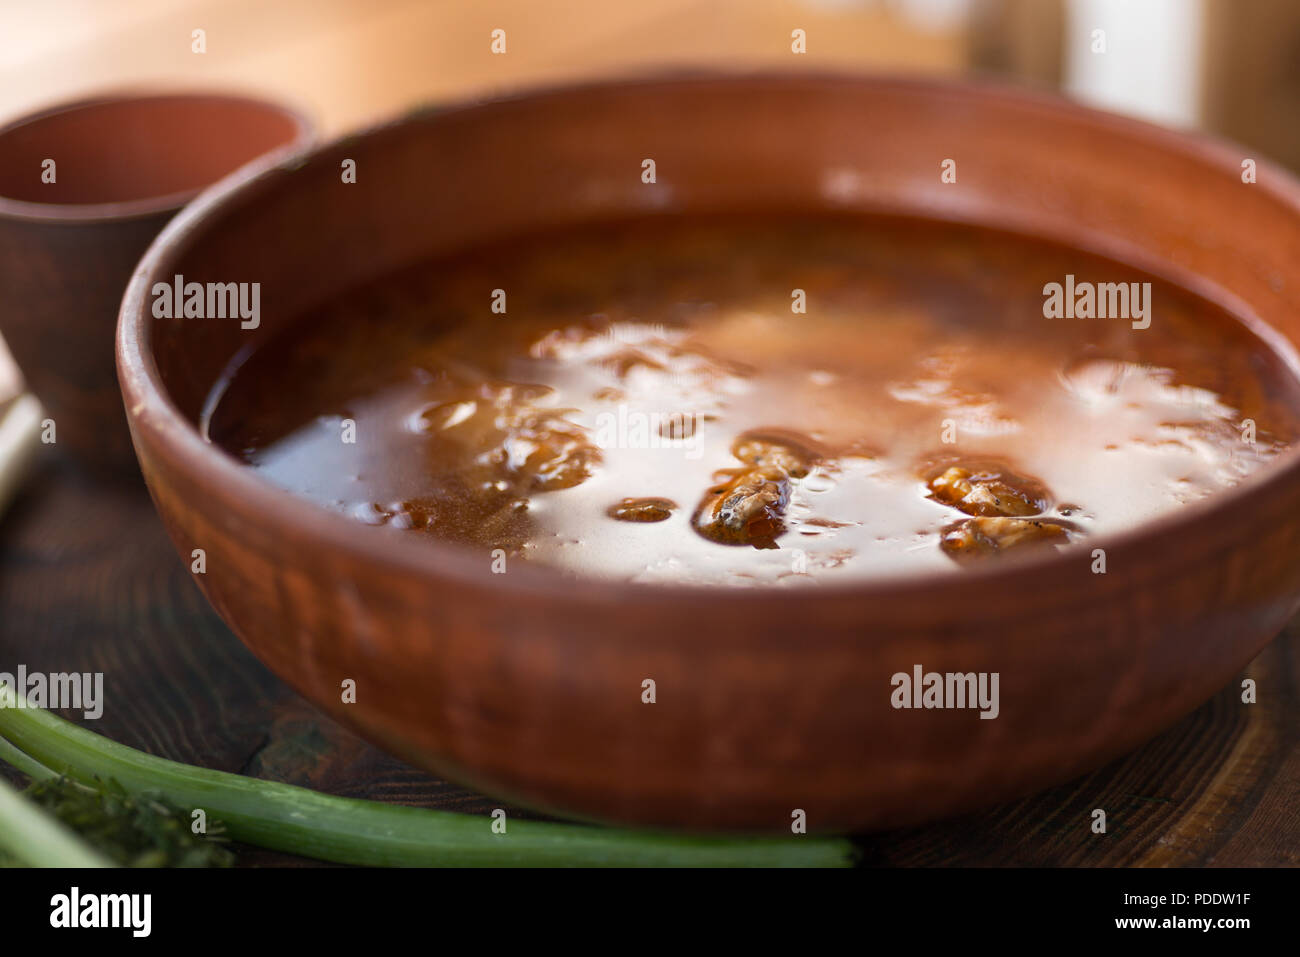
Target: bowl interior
point(132, 149)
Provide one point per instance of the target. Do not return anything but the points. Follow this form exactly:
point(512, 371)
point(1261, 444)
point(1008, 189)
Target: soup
point(752, 400)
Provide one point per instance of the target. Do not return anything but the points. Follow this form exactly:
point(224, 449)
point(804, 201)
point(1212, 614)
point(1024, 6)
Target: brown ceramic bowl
point(122, 166)
point(529, 685)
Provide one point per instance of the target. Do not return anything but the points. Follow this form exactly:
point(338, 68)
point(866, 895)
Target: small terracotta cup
point(84, 188)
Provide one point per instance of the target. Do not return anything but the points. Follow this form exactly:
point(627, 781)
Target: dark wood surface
point(89, 582)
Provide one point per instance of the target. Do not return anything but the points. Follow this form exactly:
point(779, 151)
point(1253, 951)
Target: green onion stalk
point(300, 821)
point(33, 838)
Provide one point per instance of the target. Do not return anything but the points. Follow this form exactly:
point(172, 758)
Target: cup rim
point(304, 133)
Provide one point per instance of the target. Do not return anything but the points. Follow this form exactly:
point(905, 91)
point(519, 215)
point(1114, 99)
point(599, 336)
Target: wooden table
point(89, 582)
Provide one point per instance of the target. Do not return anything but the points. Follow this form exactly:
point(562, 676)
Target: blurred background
point(1231, 67)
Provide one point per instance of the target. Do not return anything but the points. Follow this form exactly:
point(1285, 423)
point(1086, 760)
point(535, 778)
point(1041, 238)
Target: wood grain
point(89, 581)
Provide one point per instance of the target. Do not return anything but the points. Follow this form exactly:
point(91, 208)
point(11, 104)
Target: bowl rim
point(304, 133)
point(170, 435)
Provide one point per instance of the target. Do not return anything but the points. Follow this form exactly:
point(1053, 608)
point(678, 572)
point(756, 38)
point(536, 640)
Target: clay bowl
point(122, 166)
point(528, 685)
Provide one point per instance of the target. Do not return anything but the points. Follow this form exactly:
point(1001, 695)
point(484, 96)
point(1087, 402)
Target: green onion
point(12, 756)
point(37, 839)
point(350, 831)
